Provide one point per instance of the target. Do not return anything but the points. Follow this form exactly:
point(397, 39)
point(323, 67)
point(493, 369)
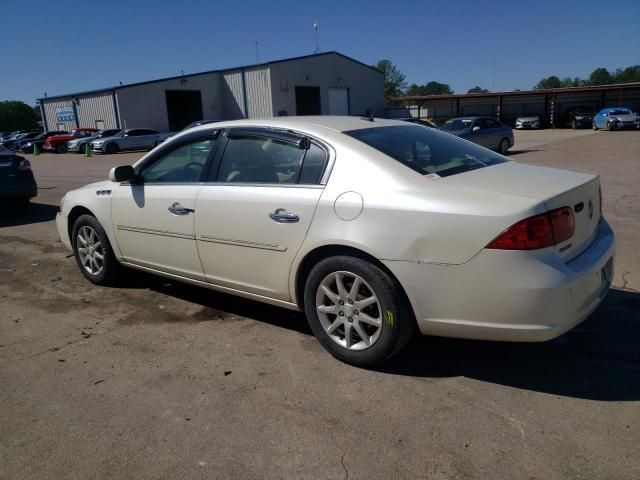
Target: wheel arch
point(75, 213)
point(325, 251)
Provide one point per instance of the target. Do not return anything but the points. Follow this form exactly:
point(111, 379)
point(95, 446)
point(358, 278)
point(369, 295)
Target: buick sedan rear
point(374, 228)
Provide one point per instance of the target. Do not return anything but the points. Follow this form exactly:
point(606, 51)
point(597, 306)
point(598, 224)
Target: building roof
point(596, 88)
point(177, 77)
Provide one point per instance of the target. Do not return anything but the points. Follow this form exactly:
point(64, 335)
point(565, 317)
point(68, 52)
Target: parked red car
point(58, 143)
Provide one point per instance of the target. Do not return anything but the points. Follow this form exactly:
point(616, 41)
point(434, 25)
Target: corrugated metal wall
point(50, 107)
point(232, 95)
point(146, 105)
point(94, 108)
point(258, 83)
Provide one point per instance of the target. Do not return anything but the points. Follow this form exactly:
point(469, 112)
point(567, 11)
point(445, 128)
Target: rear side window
point(257, 159)
point(427, 151)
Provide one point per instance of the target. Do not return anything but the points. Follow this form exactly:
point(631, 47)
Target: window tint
point(482, 123)
point(183, 164)
point(457, 124)
point(313, 165)
point(493, 123)
point(253, 159)
point(426, 150)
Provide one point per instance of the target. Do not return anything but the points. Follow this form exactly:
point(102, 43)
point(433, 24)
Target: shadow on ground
point(34, 213)
point(598, 360)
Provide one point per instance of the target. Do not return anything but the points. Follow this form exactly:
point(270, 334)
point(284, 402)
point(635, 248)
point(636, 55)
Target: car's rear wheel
point(112, 148)
point(357, 311)
point(93, 252)
point(503, 147)
point(62, 148)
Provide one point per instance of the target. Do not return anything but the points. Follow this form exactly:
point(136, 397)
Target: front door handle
point(282, 216)
point(178, 209)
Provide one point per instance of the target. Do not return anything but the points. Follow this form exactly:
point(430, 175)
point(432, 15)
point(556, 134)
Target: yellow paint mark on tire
point(389, 317)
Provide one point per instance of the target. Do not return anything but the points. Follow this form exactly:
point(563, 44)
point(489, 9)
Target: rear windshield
point(427, 151)
point(619, 112)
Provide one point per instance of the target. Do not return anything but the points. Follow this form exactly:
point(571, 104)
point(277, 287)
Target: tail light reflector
point(539, 231)
point(24, 165)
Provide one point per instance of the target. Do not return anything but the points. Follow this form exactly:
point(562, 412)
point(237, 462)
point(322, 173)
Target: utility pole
point(315, 27)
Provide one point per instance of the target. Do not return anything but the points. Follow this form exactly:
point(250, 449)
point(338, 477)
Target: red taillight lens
point(24, 165)
point(563, 223)
point(539, 231)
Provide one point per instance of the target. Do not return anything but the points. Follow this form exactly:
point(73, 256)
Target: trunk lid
point(8, 166)
point(555, 187)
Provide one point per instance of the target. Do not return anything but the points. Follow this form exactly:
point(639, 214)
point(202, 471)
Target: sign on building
point(65, 114)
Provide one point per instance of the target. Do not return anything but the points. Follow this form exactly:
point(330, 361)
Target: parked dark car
point(27, 145)
point(485, 131)
point(17, 183)
point(577, 117)
point(14, 142)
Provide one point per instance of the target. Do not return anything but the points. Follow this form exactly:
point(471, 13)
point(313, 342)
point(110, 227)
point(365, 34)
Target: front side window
point(182, 164)
point(256, 159)
point(457, 124)
point(427, 151)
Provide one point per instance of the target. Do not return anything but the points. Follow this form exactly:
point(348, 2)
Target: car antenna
point(369, 117)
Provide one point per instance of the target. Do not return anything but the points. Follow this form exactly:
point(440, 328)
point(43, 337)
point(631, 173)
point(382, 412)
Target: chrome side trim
point(241, 243)
point(151, 231)
point(212, 286)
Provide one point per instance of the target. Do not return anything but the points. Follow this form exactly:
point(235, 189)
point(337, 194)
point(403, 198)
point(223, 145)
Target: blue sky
point(76, 46)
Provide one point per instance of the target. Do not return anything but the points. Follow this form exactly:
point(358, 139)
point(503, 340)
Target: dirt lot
point(161, 380)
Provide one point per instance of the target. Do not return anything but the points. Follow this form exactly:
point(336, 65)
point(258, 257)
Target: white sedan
point(374, 228)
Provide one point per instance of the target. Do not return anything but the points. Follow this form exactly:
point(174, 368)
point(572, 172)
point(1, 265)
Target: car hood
point(105, 139)
point(528, 119)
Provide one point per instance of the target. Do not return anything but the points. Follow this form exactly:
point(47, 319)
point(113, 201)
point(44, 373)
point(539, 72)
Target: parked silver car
point(485, 131)
point(130, 139)
point(79, 144)
point(528, 122)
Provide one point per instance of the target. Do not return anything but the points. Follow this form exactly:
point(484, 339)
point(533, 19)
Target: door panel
point(241, 246)
point(149, 234)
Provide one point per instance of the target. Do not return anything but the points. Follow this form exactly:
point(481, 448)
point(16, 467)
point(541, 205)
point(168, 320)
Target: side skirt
point(211, 286)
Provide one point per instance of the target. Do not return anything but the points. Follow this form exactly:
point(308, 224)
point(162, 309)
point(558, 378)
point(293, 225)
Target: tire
point(369, 344)
point(593, 126)
point(87, 232)
point(62, 148)
point(112, 148)
point(503, 147)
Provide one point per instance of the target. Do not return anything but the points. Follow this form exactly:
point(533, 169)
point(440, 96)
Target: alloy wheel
point(90, 250)
point(349, 310)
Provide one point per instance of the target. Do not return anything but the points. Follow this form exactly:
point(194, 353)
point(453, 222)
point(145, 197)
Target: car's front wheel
point(62, 148)
point(112, 148)
point(93, 252)
point(357, 311)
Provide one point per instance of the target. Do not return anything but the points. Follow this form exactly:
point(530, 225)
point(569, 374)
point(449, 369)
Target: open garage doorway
point(308, 101)
point(183, 108)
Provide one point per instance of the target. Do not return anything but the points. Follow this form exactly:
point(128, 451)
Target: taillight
point(24, 165)
point(539, 231)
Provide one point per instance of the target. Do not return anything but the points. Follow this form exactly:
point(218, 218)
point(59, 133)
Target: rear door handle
point(282, 216)
point(178, 209)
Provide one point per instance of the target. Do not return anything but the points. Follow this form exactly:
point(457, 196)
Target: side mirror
point(476, 129)
point(124, 173)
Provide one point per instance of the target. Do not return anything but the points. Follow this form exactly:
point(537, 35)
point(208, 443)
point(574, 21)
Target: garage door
point(338, 101)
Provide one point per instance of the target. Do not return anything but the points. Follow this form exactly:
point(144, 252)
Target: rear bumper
point(521, 296)
point(18, 187)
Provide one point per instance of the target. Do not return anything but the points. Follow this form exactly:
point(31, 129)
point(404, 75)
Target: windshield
point(427, 151)
point(457, 124)
point(620, 111)
point(120, 133)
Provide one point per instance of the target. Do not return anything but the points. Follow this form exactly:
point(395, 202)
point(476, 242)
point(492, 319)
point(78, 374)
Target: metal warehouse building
point(549, 104)
point(321, 84)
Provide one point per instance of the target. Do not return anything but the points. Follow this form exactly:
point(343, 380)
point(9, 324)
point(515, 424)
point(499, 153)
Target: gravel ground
point(162, 380)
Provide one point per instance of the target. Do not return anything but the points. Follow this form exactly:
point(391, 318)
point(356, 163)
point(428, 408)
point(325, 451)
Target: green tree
point(394, 79)
point(431, 88)
point(17, 115)
point(549, 82)
point(600, 76)
point(628, 75)
point(477, 89)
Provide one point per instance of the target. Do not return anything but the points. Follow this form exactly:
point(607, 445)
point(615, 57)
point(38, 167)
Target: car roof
point(311, 123)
